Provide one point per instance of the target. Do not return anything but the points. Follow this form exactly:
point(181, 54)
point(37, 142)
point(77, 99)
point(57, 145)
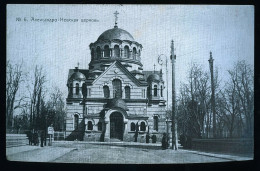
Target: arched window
point(90, 125)
point(106, 91)
point(155, 123)
point(76, 121)
point(132, 126)
point(134, 53)
point(117, 88)
point(98, 51)
point(126, 50)
point(142, 126)
point(127, 92)
point(70, 89)
point(148, 91)
point(92, 54)
point(106, 51)
point(99, 126)
point(161, 91)
point(117, 51)
point(77, 88)
point(155, 90)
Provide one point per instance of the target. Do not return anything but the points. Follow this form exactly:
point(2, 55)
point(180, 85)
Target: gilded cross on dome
point(116, 13)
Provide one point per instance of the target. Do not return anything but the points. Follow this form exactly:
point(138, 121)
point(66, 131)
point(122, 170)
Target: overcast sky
point(227, 31)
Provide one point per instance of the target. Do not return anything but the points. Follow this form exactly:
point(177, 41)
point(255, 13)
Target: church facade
point(115, 99)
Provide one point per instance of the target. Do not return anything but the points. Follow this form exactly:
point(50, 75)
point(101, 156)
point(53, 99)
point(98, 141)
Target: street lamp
point(162, 61)
point(174, 122)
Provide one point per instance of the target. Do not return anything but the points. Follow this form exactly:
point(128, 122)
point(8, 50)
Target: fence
point(14, 140)
point(59, 136)
point(238, 146)
point(17, 131)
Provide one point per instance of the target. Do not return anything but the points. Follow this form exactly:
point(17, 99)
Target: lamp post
point(174, 122)
point(212, 94)
point(161, 62)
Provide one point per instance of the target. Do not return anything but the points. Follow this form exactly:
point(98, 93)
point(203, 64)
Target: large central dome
point(116, 33)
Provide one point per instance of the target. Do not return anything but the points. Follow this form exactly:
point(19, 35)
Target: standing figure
point(164, 143)
point(42, 138)
point(30, 137)
point(35, 138)
point(147, 138)
point(154, 139)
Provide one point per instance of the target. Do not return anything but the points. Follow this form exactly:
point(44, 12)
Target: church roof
point(127, 72)
point(77, 76)
point(148, 73)
point(80, 74)
point(116, 33)
point(153, 78)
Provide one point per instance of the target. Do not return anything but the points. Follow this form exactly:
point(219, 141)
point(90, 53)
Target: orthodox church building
point(115, 99)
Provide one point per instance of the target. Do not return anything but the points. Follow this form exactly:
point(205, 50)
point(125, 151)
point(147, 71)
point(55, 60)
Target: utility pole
point(161, 62)
point(84, 94)
point(213, 108)
point(174, 121)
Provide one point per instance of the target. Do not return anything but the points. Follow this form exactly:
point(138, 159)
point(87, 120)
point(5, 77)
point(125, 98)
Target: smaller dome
point(77, 76)
point(153, 78)
point(117, 103)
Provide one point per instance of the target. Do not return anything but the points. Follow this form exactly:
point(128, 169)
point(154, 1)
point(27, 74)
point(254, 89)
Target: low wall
point(14, 140)
point(238, 146)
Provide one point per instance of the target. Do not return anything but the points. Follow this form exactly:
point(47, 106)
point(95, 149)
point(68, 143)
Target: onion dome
point(77, 75)
point(153, 78)
point(116, 33)
point(116, 103)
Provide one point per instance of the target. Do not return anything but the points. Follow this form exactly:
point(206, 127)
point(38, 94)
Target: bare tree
point(242, 77)
point(229, 107)
point(194, 102)
point(56, 104)
point(14, 77)
point(35, 95)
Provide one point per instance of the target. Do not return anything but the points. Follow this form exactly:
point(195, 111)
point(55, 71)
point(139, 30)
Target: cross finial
point(78, 64)
point(116, 13)
point(210, 57)
point(154, 68)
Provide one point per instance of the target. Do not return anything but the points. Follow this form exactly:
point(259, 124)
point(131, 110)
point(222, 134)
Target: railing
point(17, 131)
point(59, 136)
point(239, 145)
point(14, 140)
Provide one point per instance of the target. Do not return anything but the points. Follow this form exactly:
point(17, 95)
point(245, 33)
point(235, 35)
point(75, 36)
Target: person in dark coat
point(154, 139)
point(35, 138)
point(164, 142)
point(147, 138)
point(42, 138)
point(30, 137)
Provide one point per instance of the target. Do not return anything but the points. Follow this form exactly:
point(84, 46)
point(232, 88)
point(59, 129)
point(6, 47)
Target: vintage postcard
point(130, 84)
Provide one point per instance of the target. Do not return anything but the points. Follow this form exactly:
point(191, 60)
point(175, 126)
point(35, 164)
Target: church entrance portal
point(116, 125)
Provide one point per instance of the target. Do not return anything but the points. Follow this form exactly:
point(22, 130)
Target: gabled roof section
point(124, 70)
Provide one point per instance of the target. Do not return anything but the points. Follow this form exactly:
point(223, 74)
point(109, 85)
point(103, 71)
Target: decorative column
point(130, 54)
point(102, 53)
point(111, 55)
point(212, 94)
point(121, 53)
point(174, 121)
point(107, 127)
